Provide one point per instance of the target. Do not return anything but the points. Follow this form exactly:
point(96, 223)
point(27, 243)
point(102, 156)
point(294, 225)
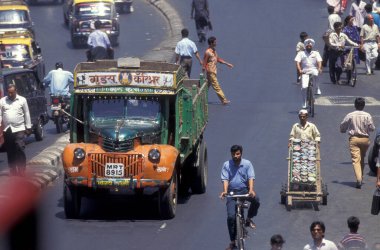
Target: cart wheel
point(289, 203)
point(283, 199)
point(324, 200)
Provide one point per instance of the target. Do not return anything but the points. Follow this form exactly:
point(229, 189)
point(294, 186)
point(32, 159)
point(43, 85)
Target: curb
point(47, 165)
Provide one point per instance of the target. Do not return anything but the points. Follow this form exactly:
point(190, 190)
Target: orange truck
point(136, 129)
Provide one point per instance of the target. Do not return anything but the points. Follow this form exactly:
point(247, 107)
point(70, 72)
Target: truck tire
point(39, 131)
point(199, 183)
point(167, 199)
point(371, 161)
point(71, 201)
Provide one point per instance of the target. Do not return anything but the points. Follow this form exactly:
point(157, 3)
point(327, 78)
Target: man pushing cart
point(304, 179)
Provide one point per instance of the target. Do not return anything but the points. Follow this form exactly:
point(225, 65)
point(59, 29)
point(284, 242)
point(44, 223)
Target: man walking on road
point(358, 124)
point(370, 42)
point(339, 5)
point(200, 13)
point(210, 61)
point(184, 51)
point(353, 240)
point(16, 122)
point(317, 230)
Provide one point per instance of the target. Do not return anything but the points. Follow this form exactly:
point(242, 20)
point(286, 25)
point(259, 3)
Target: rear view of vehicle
point(60, 107)
point(83, 15)
point(124, 6)
point(14, 15)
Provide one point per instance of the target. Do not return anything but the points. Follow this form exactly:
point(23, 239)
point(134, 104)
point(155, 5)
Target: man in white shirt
point(308, 62)
point(337, 40)
point(184, 52)
point(357, 10)
point(333, 17)
point(16, 122)
point(339, 5)
point(317, 230)
point(370, 42)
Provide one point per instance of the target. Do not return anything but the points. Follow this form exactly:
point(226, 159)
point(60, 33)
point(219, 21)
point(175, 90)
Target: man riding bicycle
point(60, 81)
point(308, 62)
point(238, 176)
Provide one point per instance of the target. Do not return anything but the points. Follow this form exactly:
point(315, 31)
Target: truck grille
point(133, 163)
point(116, 146)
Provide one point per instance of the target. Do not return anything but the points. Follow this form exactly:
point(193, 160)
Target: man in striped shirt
point(353, 240)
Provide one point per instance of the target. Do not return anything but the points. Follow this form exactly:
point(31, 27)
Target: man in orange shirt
point(210, 61)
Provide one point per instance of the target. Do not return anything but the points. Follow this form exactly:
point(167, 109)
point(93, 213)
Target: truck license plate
point(114, 170)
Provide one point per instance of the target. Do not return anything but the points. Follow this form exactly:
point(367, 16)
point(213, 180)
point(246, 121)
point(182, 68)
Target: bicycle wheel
point(310, 101)
point(353, 74)
point(239, 232)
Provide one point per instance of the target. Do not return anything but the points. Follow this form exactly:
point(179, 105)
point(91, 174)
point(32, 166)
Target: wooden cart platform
point(304, 182)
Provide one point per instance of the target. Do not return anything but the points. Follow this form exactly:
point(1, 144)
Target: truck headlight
point(79, 153)
point(154, 155)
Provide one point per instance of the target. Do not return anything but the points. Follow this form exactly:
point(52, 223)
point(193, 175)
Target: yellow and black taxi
point(20, 50)
point(81, 15)
point(15, 15)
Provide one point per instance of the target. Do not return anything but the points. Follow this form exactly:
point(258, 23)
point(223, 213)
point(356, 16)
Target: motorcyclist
point(59, 80)
point(100, 45)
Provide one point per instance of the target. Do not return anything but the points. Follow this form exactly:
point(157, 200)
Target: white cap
point(303, 112)
point(309, 41)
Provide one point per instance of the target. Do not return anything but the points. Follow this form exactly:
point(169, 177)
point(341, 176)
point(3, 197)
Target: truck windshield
point(14, 52)
point(121, 109)
point(93, 9)
point(13, 17)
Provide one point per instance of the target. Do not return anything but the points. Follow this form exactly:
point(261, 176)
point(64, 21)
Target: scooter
point(60, 107)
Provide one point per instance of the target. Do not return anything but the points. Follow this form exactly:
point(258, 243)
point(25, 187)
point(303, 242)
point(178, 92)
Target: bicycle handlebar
point(237, 195)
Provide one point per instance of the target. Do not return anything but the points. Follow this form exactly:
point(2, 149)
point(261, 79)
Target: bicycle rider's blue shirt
point(237, 176)
point(60, 82)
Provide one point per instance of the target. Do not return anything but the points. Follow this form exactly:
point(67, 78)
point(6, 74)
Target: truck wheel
point(71, 201)
point(39, 131)
point(75, 42)
point(200, 169)
point(167, 200)
point(371, 160)
point(58, 124)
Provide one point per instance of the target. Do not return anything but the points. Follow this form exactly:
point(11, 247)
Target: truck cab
point(136, 129)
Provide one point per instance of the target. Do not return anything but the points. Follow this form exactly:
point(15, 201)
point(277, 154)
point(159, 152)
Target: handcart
point(304, 175)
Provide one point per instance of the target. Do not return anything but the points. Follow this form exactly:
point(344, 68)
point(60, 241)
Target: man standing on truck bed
point(210, 61)
point(184, 52)
point(15, 118)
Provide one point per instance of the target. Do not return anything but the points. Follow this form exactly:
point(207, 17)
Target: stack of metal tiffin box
point(304, 170)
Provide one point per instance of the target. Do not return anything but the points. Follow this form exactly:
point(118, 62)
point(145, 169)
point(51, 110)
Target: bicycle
point(350, 66)
point(241, 231)
point(310, 94)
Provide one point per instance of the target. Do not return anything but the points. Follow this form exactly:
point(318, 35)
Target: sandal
point(250, 223)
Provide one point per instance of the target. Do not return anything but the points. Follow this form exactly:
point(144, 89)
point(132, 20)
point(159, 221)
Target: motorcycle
point(60, 107)
point(99, 53)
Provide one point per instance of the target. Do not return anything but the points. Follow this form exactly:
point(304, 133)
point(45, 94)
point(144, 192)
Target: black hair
point(235, 148)
point(353, 223)
point(211, 40)
point(97, 24)
point(330, 9)
point(347, 20)
point(303, 35)
point(277, 239)
point(185, 32)
point(12, 86)
point(58, 65)
point(337, 25)
point(368, 8)
point(359, 103)
point(317, 223)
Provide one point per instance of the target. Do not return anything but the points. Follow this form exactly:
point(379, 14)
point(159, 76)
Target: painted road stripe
point(344, 101)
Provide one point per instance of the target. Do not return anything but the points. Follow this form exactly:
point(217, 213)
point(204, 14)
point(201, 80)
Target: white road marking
point(344, 101)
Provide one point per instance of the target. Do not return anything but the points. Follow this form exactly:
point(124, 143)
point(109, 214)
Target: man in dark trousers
point(16, 122)
point(200, 13)
point(184, 52)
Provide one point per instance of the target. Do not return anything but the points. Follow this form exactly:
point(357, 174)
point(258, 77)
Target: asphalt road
point(259, 38)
